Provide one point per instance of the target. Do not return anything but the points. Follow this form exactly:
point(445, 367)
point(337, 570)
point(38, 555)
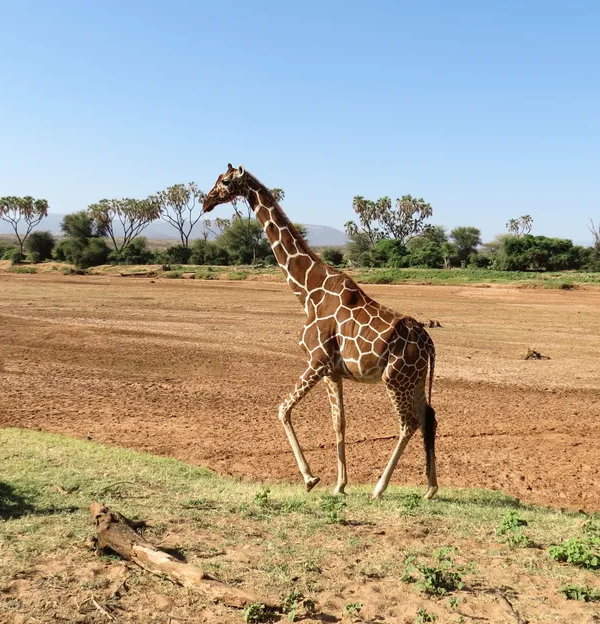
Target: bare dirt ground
point(196, 370)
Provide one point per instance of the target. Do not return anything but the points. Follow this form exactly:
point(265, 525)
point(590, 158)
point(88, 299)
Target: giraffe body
point(347, 335)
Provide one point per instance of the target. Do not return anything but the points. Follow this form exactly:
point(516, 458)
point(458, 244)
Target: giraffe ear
point(240, 170)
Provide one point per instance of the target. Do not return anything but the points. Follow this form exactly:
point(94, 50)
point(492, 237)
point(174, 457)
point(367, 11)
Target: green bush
point(84, 246)
point(15, 257)
point(93, 254)
point(389, 252)
point(358, 249)
point(136, 252)
point(208, 252)
point(244, 241)
point(62, 250)
point(35, 257)
point(479, 261)
point(42, 244)
point(429, 256)
point(6, 250)
point(82, 253)
point(178, 254)
point(333, 256)
point(592, 262)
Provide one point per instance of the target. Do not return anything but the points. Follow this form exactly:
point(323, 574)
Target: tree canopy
point(520, 226)
point(134, 215)
point(84, 245)
point(177, 204)
point(466, 239)
point(379, 220)
point(27, 210)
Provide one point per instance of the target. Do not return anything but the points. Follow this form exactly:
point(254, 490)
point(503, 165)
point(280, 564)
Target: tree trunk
point(117, 533)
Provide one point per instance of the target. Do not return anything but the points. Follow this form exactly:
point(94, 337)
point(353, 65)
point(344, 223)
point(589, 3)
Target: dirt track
point(196, 370)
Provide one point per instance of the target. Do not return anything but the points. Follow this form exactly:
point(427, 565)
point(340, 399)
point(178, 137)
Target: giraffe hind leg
point(404, 403)
point(429, 429)
point(334, 391)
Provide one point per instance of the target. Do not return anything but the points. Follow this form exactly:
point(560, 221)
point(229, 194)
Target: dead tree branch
point(117, 533)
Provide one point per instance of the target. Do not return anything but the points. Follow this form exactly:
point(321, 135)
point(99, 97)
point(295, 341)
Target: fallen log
point(139, 274)
point(116, 532)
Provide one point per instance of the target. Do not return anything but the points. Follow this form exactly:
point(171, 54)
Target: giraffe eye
point(225, 182)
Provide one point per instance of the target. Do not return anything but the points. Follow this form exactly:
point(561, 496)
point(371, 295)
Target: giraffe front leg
point(336, 400)
point(308, 380)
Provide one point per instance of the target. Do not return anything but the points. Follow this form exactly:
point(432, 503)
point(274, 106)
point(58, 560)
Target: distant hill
point(318, 235)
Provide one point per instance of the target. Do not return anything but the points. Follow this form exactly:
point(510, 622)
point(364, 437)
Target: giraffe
point(347, 335)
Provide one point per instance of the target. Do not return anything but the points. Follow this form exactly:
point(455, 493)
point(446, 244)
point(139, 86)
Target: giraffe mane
point(291, 227)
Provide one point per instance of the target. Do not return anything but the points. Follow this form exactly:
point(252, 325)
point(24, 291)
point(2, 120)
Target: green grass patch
point(510, 530)
point(174, 274)
point(237, 275)
point(204, 275)
point(559, 280)
point(273, 539)
point(22, 269)
point(582, 593)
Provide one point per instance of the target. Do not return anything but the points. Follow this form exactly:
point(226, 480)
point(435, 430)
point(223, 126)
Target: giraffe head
point(227, 188)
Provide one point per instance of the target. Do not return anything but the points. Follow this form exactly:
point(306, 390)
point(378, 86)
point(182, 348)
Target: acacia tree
point(243, 238)
point(134, 215)
point(206, 229)
point(31, 211)
point(520, 226)
point(378, 220)
point(467, 239)
point(253, 238)
point(177, 205)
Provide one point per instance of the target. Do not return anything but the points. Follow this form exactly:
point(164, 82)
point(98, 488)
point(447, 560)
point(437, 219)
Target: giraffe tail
point(431, 369)
point(429, 437)
point(430, 424)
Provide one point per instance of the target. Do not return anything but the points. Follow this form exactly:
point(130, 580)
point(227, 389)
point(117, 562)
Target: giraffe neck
point(303, 269)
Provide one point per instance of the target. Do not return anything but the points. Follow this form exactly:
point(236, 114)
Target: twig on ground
point(102, 610)
point(507, 604)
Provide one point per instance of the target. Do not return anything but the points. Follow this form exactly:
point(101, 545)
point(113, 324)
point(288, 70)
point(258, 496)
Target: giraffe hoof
point(339, 491)
point(431, 492)
point(310, 484)
point(377, 495)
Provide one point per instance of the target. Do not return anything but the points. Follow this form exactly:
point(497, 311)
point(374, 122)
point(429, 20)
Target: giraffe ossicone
point(347, 335)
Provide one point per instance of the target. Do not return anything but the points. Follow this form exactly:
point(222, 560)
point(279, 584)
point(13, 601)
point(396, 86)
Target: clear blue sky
point(488, 110)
